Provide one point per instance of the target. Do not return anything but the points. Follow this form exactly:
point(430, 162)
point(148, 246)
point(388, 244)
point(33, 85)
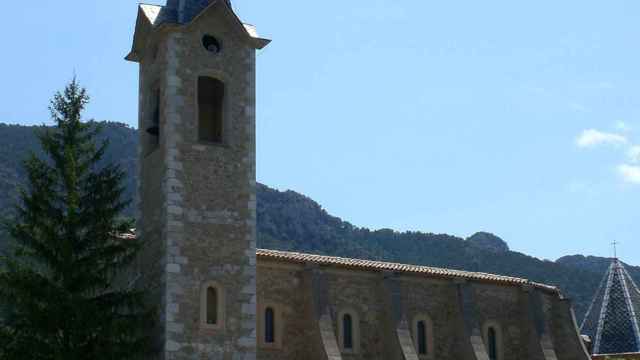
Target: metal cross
point(615, 249)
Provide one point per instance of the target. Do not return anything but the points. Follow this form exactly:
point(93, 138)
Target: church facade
point(218, 297)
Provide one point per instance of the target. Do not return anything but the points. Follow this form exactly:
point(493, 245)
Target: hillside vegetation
point(291, 221)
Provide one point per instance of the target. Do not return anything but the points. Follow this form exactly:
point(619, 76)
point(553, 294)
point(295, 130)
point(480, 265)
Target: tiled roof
point(369, 265)
point(613, 318)
point(158, 15)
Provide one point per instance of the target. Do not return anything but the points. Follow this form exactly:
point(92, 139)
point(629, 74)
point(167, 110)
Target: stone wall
point(151, 184)
point(286, 289)
point(198, 199)
point(533, 323)
point(502, 306)
point(437, 299)
point(565, 331)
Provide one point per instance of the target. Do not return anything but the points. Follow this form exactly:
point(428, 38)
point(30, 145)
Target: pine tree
point(64, 286)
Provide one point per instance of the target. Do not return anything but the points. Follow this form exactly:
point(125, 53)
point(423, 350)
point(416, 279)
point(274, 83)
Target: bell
point(154, 130)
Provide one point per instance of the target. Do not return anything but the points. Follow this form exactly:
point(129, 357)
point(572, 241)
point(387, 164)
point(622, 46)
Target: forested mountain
point(291, 221)
point(16, 142)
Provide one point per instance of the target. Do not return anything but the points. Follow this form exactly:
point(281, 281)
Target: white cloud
point(592, 137)
point(629, 170)
point(629, 173)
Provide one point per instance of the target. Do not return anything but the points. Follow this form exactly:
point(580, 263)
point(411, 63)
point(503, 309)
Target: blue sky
point(522, 119)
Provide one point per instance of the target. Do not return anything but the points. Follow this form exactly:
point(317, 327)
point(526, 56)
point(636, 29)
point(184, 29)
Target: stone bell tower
point(197, 177)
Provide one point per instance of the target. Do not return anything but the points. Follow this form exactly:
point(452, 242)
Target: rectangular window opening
point(211, 94)
point(212, 306)
point(347, 326)
point(422, 338)
point(270, 329)
point(152, 122)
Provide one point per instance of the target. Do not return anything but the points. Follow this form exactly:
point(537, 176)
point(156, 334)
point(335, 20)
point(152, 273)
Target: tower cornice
point(153, 18)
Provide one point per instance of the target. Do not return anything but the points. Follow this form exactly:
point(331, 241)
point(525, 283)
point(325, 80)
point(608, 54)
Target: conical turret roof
point(184, 11)
point(612, 319)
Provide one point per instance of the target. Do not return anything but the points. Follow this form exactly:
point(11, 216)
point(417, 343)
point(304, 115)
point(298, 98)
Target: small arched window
point(492, 336)
point(421, 333)
point(211, 94)
point(423, 336)
point(348, 332)
point(492, 343)
point(347, 335)
point(211, 306)
point(269, 326)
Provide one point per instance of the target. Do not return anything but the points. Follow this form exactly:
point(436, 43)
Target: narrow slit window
point(211, 93)
point(421, 332)
point(347, 328)
point(492, 344)
point(153, 120)
point(269, 326)
point(212, 306)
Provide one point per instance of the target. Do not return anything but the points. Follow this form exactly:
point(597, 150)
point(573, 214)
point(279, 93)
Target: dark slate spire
point(612, 320)
point(186, 10)
point(171, 10)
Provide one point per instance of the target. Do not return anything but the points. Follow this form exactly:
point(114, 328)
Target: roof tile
point(369, 265)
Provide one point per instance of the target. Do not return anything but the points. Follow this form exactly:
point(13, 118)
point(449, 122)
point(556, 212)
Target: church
point(221, 298)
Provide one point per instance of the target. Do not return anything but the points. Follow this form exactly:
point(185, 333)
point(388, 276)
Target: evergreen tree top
point(64, 285)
